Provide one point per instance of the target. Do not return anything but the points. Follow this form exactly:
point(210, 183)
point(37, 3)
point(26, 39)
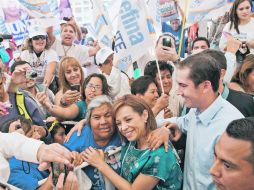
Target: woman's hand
point(161, 103)
point(158, 137)
point(78, 127)
point(94, 157)
point(43, 99)
point(70, 97)
point(77, 158)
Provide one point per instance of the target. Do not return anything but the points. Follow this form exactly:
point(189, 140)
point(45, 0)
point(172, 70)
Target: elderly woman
point(99, 132)
point(94, 85)
point(71, 78)
point(42, 59)
point(141, 168)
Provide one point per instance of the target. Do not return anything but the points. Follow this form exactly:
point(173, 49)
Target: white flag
point(135, 33)
point(102, 25)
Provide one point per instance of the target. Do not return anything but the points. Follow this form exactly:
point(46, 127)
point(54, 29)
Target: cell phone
point(57, 169)
point(166, 42)
point(75, 87)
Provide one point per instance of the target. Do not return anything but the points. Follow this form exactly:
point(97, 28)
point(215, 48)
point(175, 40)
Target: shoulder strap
point(20, 101)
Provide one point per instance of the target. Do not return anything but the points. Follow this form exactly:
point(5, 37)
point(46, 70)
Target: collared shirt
point(203, 130)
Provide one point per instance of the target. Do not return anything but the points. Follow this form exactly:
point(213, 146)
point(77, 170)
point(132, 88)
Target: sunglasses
point(42, 37)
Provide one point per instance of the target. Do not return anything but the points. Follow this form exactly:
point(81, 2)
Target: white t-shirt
point(246, 33)
point(77, 51)
point(39, 64)
point(119, 83)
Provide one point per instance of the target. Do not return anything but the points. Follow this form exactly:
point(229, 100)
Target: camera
point(66, 19)
point(31, 74)
point(166, 42)
point(5, 37)
point(75, 87)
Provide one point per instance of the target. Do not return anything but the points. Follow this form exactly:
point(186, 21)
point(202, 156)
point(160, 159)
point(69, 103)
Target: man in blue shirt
point(198, 83)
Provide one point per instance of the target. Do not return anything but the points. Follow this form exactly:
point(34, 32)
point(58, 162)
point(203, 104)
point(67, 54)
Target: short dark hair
point(140, 85)
point(16, 63)
point(243, 129)
point(84, 30)
point(200, 39)
point(151, 68)
point(218, 56)
point(202, 68)
point(106, 89)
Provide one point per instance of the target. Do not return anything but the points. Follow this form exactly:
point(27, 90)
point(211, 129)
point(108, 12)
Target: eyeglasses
point(42, 37)
point(95, 87)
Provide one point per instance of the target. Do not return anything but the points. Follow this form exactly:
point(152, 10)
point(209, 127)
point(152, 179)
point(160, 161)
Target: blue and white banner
point(102, 25)
point(135, 33)
point(155, 14)
point(40, 8)
point(200, 9)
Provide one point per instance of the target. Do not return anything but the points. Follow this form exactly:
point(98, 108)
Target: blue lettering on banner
point(119, 43)
point(124, 63)
point(100, 21)
point(150, 27)
point(129, 18)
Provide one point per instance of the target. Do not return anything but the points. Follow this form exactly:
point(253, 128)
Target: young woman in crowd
point(240, 26)
point(244, 78)
point(42, 59)
point(146, 88)
point(70, 76)
point(94, 85)
point(139, 165)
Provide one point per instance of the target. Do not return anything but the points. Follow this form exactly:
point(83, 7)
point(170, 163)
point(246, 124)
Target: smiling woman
point(139, 165)
point(42, 59)
point(70, 73)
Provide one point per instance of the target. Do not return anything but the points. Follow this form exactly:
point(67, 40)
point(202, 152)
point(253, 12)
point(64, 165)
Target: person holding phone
point(31, 87)
point(240, 26)
point(71, 78)
point(93, 86)
point(166, 48)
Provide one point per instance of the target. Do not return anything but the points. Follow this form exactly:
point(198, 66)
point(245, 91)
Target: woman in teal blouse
point(142, 168)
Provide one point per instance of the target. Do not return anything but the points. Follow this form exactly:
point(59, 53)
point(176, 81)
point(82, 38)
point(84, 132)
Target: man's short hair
point(218, 56)
point(200, 39)
point(16, 63)
point(84, 30)
point(243, 129)
point(202, 68)
point(151, 68)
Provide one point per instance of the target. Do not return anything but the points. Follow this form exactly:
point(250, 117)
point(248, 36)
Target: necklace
point(66, 50)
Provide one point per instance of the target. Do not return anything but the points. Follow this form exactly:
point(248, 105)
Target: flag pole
point(183, 24)
point(159, 73)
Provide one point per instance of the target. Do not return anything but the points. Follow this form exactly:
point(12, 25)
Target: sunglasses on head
point(42, 37)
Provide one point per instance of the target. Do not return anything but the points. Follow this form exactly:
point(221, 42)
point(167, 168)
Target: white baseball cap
point(103, 54)
point(36, 31)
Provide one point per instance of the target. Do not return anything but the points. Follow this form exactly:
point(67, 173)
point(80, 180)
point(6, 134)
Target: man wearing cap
point(175, 28)
point(118, 80)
